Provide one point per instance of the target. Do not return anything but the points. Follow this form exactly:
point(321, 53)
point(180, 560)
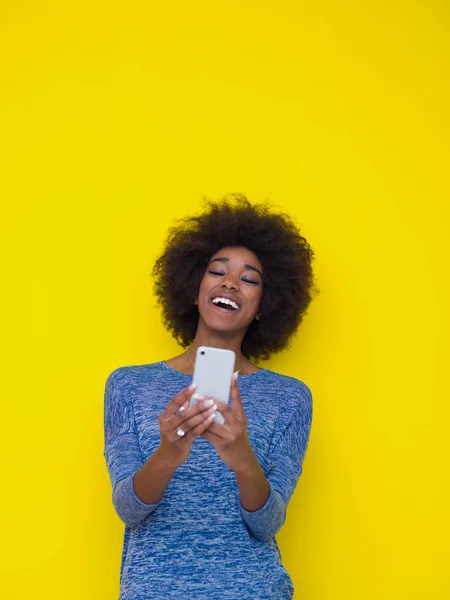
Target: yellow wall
point(116, 118)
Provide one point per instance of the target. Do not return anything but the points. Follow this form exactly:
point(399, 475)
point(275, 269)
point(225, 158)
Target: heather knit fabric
point(198, 542)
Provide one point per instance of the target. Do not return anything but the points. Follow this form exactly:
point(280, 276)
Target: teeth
point(225, 301)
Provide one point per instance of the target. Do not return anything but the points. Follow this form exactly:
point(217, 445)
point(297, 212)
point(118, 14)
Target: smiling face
point(230, 291)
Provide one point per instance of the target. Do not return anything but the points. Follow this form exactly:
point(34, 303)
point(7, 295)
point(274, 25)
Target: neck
point(217, 339)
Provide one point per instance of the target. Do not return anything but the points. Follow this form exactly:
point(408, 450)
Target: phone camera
point(202, 352)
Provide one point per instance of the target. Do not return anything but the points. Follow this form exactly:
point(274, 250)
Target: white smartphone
point(212, 373)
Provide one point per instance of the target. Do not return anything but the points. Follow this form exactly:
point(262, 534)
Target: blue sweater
point(198, 542)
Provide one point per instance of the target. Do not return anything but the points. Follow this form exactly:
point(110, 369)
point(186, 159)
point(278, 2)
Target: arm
point(285, 468)
point(152, 479)
point(138, 487)
point(254, 489)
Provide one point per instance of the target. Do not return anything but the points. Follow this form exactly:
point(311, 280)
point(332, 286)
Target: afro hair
point(285, 255)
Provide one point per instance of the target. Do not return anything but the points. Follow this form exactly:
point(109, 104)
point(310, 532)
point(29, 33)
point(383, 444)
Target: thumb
point(236, 401)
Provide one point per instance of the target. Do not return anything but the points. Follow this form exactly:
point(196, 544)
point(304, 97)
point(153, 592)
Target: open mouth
point(225, 304)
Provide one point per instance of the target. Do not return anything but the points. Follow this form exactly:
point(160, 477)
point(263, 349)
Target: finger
point(182, 416)
point(227, 415)
point(183, 406)
point(198, 418)
point(227, 412)
point(236, 401)
point(220, 432)
point(211, 437)
point(201, 428)
point(177, 401)
point(190, 425)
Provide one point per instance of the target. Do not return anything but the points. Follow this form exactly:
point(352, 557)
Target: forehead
point(238, 254)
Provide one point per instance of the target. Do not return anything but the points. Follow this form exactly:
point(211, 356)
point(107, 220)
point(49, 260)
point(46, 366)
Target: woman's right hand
point(193, 420)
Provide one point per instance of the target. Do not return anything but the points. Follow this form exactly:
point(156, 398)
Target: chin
point(222, 327)
point(219, 326)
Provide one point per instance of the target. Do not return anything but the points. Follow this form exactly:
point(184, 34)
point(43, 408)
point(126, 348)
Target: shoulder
point(288, 402)
point(129, 375)
point(295, 392)
point(287, 398)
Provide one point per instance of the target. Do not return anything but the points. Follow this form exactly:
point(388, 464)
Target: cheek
point(255, 298)
point(203, 289)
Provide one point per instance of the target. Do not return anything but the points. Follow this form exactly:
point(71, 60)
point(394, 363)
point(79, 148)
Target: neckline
point(162, 362)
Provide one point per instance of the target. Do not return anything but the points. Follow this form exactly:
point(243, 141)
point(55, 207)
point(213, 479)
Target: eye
point(250, 281)
point(215, 273)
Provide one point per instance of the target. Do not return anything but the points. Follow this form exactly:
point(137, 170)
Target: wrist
point(248, 466)
point(163, 460)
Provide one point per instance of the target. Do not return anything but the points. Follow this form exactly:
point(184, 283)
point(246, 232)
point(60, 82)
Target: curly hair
point(285, 255)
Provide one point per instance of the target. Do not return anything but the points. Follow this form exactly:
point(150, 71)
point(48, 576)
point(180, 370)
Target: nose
point(230, 283)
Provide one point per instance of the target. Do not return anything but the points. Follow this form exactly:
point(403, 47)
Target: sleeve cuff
point(131, 509)
point(265, 522)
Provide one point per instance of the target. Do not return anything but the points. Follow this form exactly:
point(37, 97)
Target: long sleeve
point(122, 453)
point(285, 468)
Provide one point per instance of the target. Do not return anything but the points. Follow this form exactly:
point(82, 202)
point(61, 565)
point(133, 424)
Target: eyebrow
point(249, 267)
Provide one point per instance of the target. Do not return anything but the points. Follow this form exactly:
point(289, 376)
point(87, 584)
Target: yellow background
point(115, 118)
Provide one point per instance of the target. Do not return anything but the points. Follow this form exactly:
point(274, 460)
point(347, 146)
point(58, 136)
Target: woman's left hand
point(231, 439)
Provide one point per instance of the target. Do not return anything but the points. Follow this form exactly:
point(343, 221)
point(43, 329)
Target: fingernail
point(192, 387)
point(235, 375)
point(208, 402)
point(198, 397)
point(212, 409)
point(181, 408)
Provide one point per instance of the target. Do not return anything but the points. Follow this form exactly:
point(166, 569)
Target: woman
point(202, 502)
